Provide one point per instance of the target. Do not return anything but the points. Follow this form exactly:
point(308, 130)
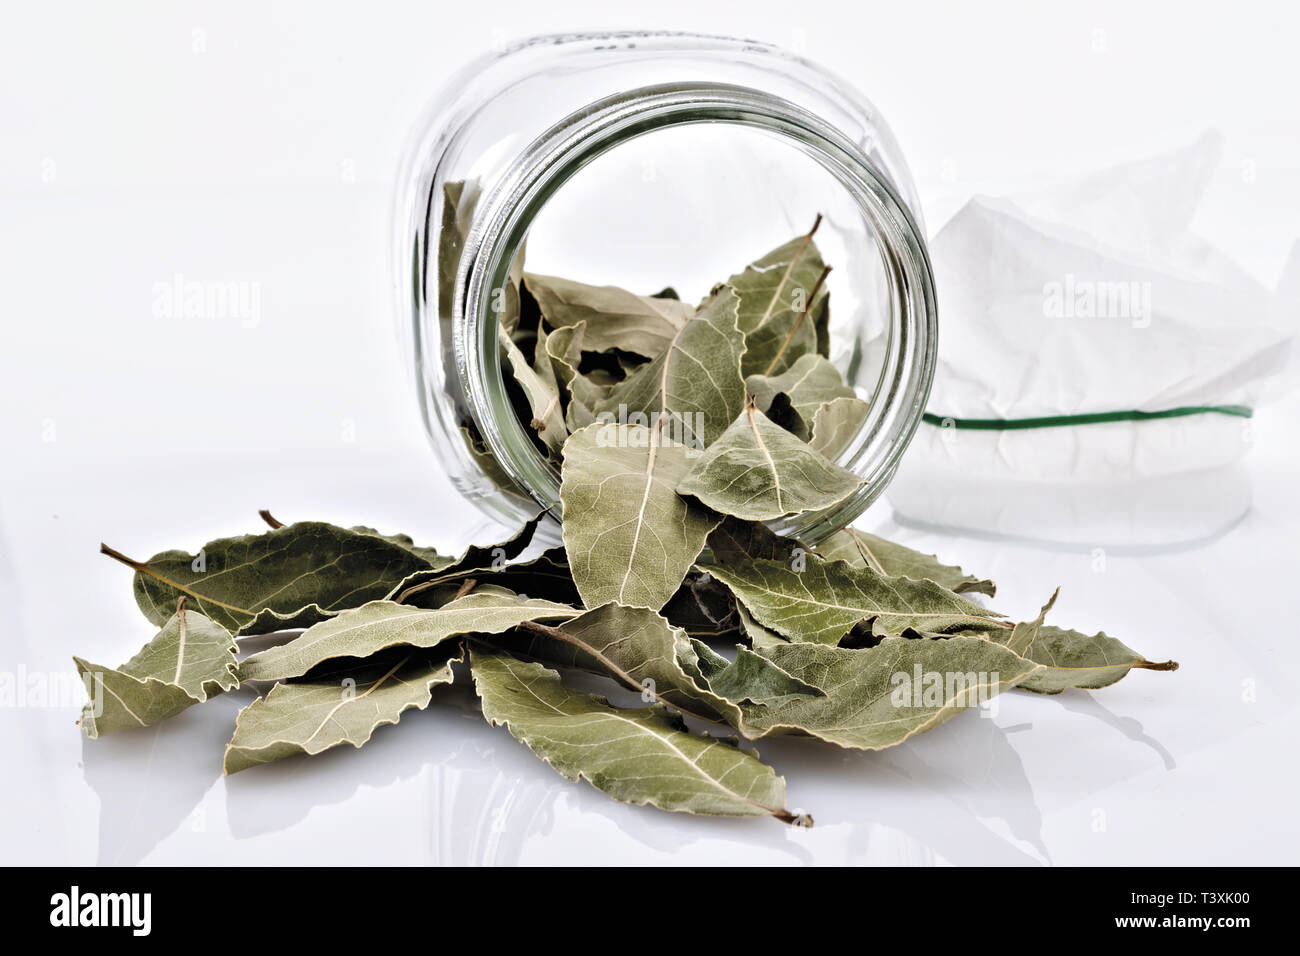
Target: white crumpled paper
point(1096, 298)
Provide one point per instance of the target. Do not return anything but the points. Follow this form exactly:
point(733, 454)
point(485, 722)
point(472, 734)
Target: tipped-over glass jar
point(645, 160)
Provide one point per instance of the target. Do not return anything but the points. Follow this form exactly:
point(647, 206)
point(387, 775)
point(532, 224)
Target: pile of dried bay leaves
point(680, 432)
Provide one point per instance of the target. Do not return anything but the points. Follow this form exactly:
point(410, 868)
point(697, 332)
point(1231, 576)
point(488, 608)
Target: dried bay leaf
point(428, 554)
point(775, 346)
point(379, 625)
point(643, 756)
point(760, 638)
point(615, 317)
point(564, 350)
point(702, 607)
point(835, 424)
point(543, 399)
point(191, 659)
point(878, 697)
point(758, 471)
point(288, 577)
point(344, 707)
point(543, 365)
point(1072, 659)
point(629, 536)
point(780, 280)
point(695, 381)
point(1083, 661)
point(1022, 636)
point(863, 550)
point(636, 647)
point(459, 200)
point(126, 701)
point(824, 600)
point(809, 383)
point(192, 652)
point(515, 302)
point(749, 679)
point(735, 541)
point(475, 560)
point(645, 652)
point(546, 576)
point(487, 463)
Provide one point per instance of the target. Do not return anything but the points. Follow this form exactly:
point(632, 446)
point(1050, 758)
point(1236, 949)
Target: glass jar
point(712, 143)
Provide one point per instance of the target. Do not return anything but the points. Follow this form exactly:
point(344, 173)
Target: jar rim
point(542, 169)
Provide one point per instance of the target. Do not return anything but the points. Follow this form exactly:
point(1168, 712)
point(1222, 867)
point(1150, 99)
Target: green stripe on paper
point(1090, 418)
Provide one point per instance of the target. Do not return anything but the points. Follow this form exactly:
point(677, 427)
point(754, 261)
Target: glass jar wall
point(643, 160)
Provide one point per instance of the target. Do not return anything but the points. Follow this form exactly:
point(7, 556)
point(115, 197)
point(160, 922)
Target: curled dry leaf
point(758, 471)
point(630, 537)
point(345, 707)
point(643, 756)
point(778, 281)
point(810, 382)
point(617, 318)
point(820, 602)
point(379, 625)
point(694, 386)
point(878, 697)
point(288, 577)
point(863, 550)
point(188, 661)
point(1072, 659)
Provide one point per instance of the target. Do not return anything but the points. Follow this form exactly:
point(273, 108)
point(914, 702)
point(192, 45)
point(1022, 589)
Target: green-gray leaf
point(810, 382)
point(459, 202)
point(735, 541)
point(564, 350)
point(824, 600)
point(630, 537)
point(1083, 661)
point(758, 471)
point(863, 550)
point(749, 679)
point(879, 696)
point(759, 636)
point(288, 577)
point(635, 646)
point(188, 661)
point(775, 346)
point(615, 317)
point(543, 398)
point(641, 757)
point(780, 280)
point(476, 560)
point(378, 625)
point(1072, 658)
point(342, 708)
point(428, 554)
point(835, 423)
point(695, 382)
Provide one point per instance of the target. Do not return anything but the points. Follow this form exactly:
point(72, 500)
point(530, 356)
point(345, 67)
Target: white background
point(259, 142)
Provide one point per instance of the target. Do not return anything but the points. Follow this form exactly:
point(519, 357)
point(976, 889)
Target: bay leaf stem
point(812, 297)
point(789, 270)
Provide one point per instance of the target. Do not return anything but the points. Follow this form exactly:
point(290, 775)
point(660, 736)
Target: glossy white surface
point(266, 158)
point(1172, 768)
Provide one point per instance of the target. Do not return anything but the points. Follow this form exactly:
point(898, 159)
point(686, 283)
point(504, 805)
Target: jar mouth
point(542, 169)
